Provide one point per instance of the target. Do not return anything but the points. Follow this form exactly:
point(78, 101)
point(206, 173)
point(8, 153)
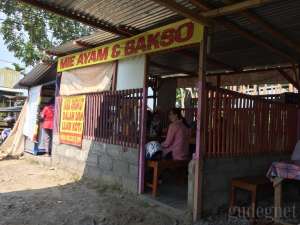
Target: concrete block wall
point(111, 164)
point(219, 172)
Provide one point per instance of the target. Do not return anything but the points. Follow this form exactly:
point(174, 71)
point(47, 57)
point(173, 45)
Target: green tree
point(18, 67)
point(28, 31)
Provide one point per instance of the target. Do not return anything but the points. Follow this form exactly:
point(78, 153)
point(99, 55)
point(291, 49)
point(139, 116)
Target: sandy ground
point(34, 195)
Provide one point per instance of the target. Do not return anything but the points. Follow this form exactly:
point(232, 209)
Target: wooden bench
point(158, 166)
point(251, 184)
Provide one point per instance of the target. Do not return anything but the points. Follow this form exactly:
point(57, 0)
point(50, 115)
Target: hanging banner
point(30, 128)
point(72, 120)
point(185, 32)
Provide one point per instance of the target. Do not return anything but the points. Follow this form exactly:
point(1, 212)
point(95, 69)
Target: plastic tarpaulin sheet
point(13, 146)
point(31, 121)
point(90, 79)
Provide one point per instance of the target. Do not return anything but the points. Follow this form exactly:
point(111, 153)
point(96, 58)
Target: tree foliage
point(28, 31)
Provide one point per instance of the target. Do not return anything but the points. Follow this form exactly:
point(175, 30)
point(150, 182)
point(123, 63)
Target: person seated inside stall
point(176, 144)
point(155, 126)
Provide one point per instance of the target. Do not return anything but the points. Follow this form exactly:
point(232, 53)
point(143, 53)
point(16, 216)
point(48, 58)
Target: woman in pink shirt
point(176, 145)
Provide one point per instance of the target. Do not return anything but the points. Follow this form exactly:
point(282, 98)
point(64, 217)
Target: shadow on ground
point(67, 201)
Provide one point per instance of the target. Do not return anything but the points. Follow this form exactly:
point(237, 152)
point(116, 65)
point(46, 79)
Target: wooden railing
point(275, 97)
point(243, 125)
point(114, 117)
point(110, 117)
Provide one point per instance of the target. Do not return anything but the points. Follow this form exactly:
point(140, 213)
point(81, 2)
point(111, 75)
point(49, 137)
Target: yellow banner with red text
point(72, 120)
point(185, 32)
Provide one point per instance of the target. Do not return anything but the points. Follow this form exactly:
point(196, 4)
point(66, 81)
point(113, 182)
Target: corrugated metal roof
point(226, 46)
point(40, 74)
point(138, 14)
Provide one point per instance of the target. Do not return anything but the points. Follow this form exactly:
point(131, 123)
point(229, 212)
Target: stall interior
point(172, 83)
point(166, 179)
point(37, 147)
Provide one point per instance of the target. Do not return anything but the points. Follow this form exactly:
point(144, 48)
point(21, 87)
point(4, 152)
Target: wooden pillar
point(143, 127)
point(200, 135)
point(218, 81)
point(277, 184)
point(115, 77)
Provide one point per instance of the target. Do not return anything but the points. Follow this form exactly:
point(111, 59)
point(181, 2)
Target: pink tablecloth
point(286, 170)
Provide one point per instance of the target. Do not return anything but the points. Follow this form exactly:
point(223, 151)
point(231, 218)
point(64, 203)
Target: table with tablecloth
point(278, 172)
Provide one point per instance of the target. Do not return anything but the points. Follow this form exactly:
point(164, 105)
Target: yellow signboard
point(174, 35)
point(72, 120)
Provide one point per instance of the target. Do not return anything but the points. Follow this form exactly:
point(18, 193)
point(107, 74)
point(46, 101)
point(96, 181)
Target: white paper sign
point(31, 125)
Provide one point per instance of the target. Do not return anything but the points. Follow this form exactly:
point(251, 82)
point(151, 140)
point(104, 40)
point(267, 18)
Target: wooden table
point(159, 166)
point(278, 172)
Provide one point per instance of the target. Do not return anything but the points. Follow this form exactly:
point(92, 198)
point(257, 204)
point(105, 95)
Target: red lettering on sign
point(115, 51)
point(153, 41)
point(184, 32)
point(92, 56)
point(80, 59)
point(129, 47)
point(66, 62)
point(167, 37)
point(102, 54)
point(141, 44)
point(86, 56)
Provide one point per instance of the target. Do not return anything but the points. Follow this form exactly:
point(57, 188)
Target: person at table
point(176, 145)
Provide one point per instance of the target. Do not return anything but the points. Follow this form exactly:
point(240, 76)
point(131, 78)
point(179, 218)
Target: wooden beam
point(248, 35)
point(171, 68)
point(183, 11)
point(48, 52)
point(220, 64)
point(270, 29)
point(259, 70)
point(289, 78)
point(244, 33)
point(83, 44)
point(210, 60)
point(200, 5)
point(86, 19)
point(237, 7)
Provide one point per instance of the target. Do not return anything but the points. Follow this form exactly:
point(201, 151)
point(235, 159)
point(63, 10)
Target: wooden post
point(115, 77)
point(143, 129)
point(218, 81)
point(200, 135)
point(277, 184)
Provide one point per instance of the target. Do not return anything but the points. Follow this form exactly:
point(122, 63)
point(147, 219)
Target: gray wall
point(111, 164)
point(219, 172)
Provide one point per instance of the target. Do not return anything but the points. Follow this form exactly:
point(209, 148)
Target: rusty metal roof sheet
point(226, 46)
point(40, 74)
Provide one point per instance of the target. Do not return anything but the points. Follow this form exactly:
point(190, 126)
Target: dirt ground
point(31, 194)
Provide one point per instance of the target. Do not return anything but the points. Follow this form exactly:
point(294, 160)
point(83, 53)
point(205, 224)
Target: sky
point(6, 57)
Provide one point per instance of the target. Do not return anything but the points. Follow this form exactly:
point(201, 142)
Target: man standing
point(47, 116)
